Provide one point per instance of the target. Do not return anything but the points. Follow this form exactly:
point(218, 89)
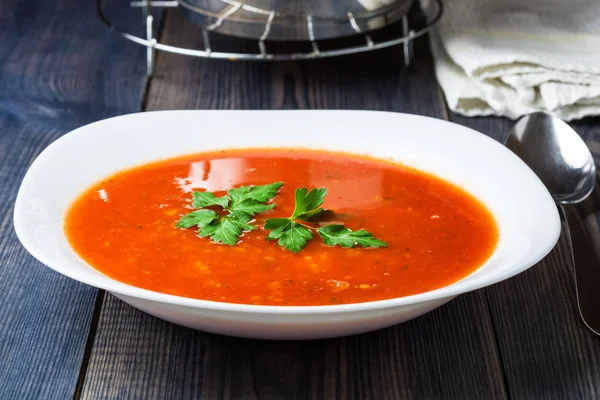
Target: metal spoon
point(563, 162)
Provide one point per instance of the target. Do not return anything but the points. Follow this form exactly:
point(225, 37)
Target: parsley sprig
point(294, 232)
point(240, 206)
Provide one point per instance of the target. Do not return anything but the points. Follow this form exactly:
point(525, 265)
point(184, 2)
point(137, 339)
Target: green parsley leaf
point(240, 216)
point(291, 235)
point(207, 199)
point(251, 207)
point(197, 218)
point(275, 223)
point(225, 230)
point(260, 194)
point(308, 203)
point(340, 235)
point(243, 225)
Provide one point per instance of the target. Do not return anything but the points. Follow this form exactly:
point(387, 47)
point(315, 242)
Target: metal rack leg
point(150, 50)
point(407, 47)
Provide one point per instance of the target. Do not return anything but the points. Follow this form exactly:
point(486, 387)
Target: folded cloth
point(514, 57)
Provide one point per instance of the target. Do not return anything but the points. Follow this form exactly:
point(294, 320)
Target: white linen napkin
point(514, 57)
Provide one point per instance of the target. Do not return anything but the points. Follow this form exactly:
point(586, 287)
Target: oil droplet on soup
point(124, 226)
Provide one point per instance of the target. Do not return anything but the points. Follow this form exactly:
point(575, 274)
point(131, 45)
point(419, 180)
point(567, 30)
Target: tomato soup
point(436, 233)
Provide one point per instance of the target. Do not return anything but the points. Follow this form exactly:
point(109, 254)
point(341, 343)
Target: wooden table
point(60, 69)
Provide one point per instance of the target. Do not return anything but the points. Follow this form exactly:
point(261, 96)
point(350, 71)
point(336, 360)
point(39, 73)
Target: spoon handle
point(586, 269)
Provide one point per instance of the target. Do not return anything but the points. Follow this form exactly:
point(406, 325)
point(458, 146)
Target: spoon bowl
point(556, 153)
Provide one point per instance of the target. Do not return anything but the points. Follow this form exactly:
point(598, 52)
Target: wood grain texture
point(45, 316)
point(62, 68)
point(547, 352)
point(444, 354)
point(449, 353)
point(59, 69)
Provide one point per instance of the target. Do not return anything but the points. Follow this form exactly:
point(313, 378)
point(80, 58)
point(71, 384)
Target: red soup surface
point(436, 233)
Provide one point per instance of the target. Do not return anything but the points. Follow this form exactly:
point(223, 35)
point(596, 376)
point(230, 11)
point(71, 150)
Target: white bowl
point(526, 214)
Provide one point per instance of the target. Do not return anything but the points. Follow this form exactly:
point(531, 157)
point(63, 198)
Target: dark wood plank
point(45, 316)
point(546, 351)
point(445, 354)
point(59, 69)
point(449, 353)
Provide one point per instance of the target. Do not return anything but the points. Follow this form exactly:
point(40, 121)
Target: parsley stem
point(304, 225)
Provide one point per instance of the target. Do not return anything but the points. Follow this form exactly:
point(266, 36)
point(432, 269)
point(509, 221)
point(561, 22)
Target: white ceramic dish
point(527, 217)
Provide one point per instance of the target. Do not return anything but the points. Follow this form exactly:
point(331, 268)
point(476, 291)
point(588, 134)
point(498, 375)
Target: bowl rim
point(127, 290)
